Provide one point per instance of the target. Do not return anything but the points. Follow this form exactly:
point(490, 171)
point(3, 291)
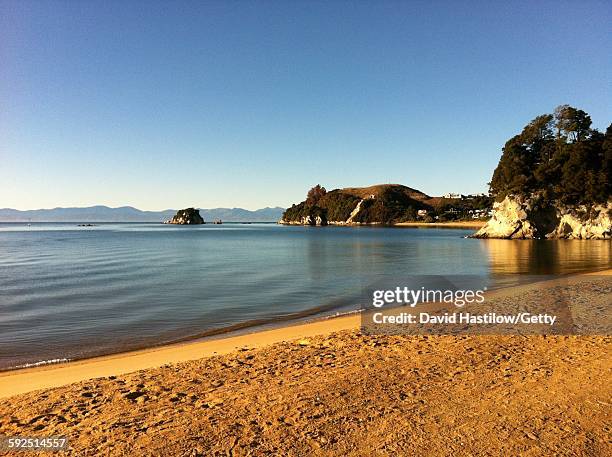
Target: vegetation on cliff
point(558, 156)
point(330, 206)
point(302, 211)
point(392, 205)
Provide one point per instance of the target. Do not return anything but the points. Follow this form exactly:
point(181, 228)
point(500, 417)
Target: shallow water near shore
point(69, 292)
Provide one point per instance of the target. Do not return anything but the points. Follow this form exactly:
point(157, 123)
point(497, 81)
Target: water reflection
point(547, 256)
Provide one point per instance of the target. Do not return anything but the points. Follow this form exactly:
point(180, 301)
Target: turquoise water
point(69, 292)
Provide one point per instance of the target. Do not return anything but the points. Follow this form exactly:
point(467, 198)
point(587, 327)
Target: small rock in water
point(187, 216)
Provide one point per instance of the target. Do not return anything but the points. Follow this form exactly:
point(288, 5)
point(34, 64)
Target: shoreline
point(472, 224)
point(23, 380)
point(241, 328)
point(453, 224)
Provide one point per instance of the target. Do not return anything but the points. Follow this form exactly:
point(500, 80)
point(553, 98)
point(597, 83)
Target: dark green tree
point(315, 194)
point(558, 155)
point(514, 173)
point(572, 124)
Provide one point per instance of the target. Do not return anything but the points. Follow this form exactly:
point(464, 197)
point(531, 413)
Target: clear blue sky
point(223, 103)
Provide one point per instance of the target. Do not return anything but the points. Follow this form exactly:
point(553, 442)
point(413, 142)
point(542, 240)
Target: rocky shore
point(518, 217)
point(306, 220)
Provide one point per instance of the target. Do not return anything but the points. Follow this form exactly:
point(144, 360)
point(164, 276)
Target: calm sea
point(69, 292)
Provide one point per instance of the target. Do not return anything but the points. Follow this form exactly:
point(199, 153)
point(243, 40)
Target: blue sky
point(236, 103)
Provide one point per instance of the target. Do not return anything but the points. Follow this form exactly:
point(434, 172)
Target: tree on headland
point(559, 155)
point(315, 194)
point(572, 124)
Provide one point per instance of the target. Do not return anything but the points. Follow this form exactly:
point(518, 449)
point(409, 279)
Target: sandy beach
point(322, 388)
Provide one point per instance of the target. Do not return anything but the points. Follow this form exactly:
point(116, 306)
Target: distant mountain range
point(130, 214)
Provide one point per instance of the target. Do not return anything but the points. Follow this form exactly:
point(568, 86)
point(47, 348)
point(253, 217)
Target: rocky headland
point(387, 204)
point(188, 216)
point(553, 180)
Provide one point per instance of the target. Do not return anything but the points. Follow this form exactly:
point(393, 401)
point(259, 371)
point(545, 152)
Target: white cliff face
point(319, 221)
point(596, 227)
point(509, 221)
point(355, 212)
point(533, 218)
point(350, 220)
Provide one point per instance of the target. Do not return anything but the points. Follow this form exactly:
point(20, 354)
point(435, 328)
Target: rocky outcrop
point(510, 220)
point(318, 221)
point(534, 217)
point(599, 227)
point(188, 216)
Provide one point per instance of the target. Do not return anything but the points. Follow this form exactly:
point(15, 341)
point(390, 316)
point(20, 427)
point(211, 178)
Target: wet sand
point(25, 380)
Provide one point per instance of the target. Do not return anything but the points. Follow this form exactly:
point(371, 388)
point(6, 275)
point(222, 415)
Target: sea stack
point(187, 216)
